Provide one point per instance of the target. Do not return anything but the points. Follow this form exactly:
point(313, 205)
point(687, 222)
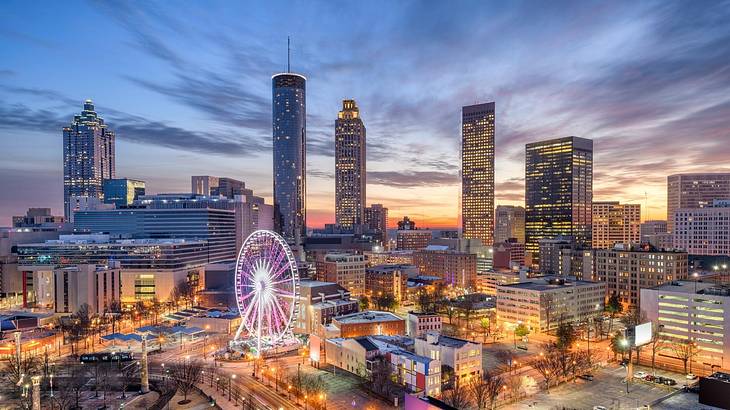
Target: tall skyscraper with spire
point(349, 166)
point(88, 156)
point(290, 164)
point(477, 172)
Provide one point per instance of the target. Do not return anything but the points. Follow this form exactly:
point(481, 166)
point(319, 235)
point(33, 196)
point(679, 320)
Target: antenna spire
point(288, 55)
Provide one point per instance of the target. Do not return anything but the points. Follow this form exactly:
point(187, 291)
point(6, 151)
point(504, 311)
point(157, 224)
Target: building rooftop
point(439, 339)
point(548, 283)
point(412, 356)
point(367, 344)
point(691, 287)
point(367, 317)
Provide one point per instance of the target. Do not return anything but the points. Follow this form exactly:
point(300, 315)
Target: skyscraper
point(376, 220)
point(558, 191)
point(477, 172)
point(349, 166)
point(88, 156)
point(509, 223)
point(290, 165)
point(694, 191)
point(614, 223)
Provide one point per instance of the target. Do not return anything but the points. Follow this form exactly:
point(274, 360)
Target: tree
point(128, 376)
point(566, 335)
point(685, 350)
point(458, 395)
point(74, 382)
point(424, 302)
point(520, 331)
point(619, 345)
point(506, 357)
point(485, 323)
point(658, 343)
point(364, 302)
point(13, 370)
point(450, 313)
point(386, 302)
point(186, 374)
point(632, 318)
point(467, 308)
point(380, 376)
point(485, 390)
point(613, 307)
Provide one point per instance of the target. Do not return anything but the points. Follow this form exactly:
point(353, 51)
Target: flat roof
point(451, 341)
point(549, 283)
point(692, 287)
point(367, 317)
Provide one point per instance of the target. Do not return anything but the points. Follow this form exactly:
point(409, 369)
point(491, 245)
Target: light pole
point(624, 344)
point(233, 376)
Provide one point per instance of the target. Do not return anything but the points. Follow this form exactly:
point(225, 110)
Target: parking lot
point(608, 389)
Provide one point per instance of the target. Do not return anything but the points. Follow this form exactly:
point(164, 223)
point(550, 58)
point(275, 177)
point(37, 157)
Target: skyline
point(639, 78)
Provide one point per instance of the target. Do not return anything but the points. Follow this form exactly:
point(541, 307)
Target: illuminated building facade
point(509, 223)
point(88, 156)
point(290, 165)
point(218, 186)
point(122, 191)
point(376, 220)
point(703, 231)
point(349, 166)
point(694, 191)
point(558, 192)
point(615, 223)
point(455, 268)
point(477, 172)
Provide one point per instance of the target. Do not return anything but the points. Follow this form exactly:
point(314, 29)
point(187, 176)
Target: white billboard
point(642, 334)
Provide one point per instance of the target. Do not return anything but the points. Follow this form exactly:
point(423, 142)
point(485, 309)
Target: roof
point(413, 356)
point(367, 344)
point(367, 317)
point(449, 341)
point(692, 287)
point(549, 283)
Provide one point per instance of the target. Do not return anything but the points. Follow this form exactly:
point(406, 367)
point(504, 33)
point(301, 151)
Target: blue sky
point(186, 86)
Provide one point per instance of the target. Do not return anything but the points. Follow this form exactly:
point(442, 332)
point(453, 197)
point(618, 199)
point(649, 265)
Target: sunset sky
point(186, 85)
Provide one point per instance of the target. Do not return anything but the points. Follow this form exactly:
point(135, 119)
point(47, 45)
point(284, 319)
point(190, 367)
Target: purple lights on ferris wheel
point(267, 289)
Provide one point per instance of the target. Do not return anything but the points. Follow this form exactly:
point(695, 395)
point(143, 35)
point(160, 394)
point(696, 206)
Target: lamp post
point(233, 376)
point(624, 344)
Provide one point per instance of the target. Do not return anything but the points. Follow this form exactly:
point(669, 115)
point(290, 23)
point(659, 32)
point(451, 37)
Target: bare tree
point(685, 350)
point(548, 365)
point(186, 374)
point(128, 376)
point(74, 383)
point(658, 343)
point(506, 358)
point(458, 395)
point(13, 370)
point(485, 390)
point(514, 385)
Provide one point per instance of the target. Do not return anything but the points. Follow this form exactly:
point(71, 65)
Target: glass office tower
point(122, 191)
point(350, 171)
point(88, 156)
point(290, 141)
point(558, 192)
point(477, 172)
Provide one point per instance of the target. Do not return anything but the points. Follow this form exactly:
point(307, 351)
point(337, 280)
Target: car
point(588, 377)
point(690, 376)
point(649, 378)
point(669, 382)
point(659, 380)
point(599, 408)
point(640, 375)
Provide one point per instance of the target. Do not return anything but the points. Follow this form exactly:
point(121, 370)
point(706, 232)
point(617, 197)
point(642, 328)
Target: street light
point(233, 376)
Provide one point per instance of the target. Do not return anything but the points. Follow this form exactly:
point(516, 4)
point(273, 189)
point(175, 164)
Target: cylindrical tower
point(290, 165)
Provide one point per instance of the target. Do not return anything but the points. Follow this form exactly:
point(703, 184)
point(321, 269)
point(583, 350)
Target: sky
point(186, 86)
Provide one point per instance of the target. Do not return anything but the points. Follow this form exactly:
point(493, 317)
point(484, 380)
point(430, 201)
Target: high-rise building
point(376, 220)
point(290, 164)
point(455, 268)
point(703, 231)
point(558, 191)
point(477, 172)
point(122, 191)
point(350, 168)
point(615, 223)
point(694, 191)
point(218, 186)
point(88, 156)
point(651, 228)
point(509, 223)
point(628, 269)
point(344, 269)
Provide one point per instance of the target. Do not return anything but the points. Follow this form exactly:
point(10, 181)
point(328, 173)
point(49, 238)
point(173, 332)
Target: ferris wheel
point(267, 289)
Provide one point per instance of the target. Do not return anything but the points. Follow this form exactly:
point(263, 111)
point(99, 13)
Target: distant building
point(344, 269)
point(614, 223)
point(350, 166)
point(39, 219)
point(694, 191)
point(550, 254)
point(418, 324)
point(648, 228)
point(477, 172)
point(508, 254)
point(122, 191)
point(626, 270)
point(579, 263)
point(412, 239)
point(406, 224)
point(703, 231)
point(455, 268)
point(389, 280)
point(463, 356)
point(509, 223)
point(88, 156)
point(558, 192)
point(367, 323)
point(209, 186)
point(376, 221)
point(94, 285)
point(290, 159)
point(86, 203)
point(488, 281)
point(543, 303)
point(692, 311)
point(381, 257)
point(319, 302)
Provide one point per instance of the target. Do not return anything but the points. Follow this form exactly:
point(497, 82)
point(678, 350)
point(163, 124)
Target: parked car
point(649, 378)
point(669, 382)
point(659, 380)
point(588, 377)
point(640, 375)
point(690, 376)
point(599, 408)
